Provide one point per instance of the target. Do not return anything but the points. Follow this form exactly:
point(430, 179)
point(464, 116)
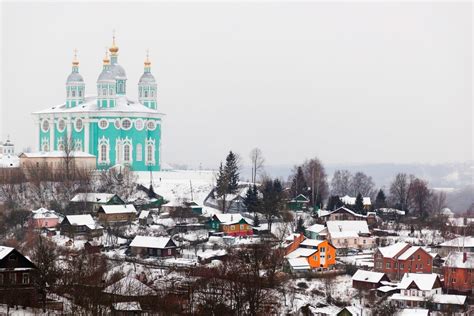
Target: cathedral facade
point(109, 125)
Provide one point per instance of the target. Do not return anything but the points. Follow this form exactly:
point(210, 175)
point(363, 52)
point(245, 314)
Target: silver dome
point(147, 78)
point(106, 76)
point(118, 71)
point(74, 77)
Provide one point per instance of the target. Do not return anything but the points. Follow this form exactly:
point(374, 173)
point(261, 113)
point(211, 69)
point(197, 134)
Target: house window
point(322, 249)
point(401, 265)
point(12, 278)
point(26, 278)
point(419, 257)
point(421, 265)
point(232, 227)
point(387, 265)
point(103, 150)
point(395, 264)
point(365, 241)
point(79, 125)
point(150, 152)
point(146, 93)
point(12, 258)
point(1, 278)
point(139, 152)
point(150, 125)
point(169, 252)
point(139, 124)
point(103, 153)
point(329, 256)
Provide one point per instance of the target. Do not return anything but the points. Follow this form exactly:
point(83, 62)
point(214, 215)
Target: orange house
point(231, 224)
point(458, 272)
point(320, 254)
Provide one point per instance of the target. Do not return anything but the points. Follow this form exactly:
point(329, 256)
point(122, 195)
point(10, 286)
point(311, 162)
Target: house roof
point(311, 242)
point(43, 213)
point(301, 252)
point(351, 200)
point(455, 259)
point(344, 229)
point(127, 306)
point(385, 210)
point(80, 220)
point(449, 299)
point(118, 209)
point(392, 250)
point(316, 228)
point(424, 281)
point(144, 214)
point(229, 219)
point(459, 242)
point(368, 276)
point(345, 209)
point(4, 251)
point(150, 242)
point(128, 286)
point(93, 197)
point(300, 198)
point(299, 263)
point(413, 312)
point(409, 252)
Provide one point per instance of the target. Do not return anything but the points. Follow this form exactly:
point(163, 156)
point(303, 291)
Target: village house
point(424, 290)
point(351, 201)
point(368, 280)
point(145, 218)
point(316, 231)
point(43, 218)
point(92, 201)
point(116, 214)
point(299, 203)
point(350, 235)
point(345, 214)
point(389, 214)
point(292, 242)
point(400, 258)
point(153, 246)
point(464, 243)
point(231, 224)
point(80, 225)
point(319, 254)
point(16, 278)
point(458, 271)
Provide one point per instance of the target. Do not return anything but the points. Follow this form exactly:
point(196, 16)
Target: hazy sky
point(353, 82)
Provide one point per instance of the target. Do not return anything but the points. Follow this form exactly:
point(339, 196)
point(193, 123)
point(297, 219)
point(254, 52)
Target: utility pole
point(191, 186)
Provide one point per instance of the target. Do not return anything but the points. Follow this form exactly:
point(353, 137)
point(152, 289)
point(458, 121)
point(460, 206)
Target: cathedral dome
point(118, 71)
point(74, 77)
point(147, 78)
point(106, 76)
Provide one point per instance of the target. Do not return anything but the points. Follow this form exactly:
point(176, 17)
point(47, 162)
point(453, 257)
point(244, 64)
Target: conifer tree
point(298, 184)
point(256, 221)
point(334, 202)
point(300, 225)
point(359, 203)
point(227, 178)
point(380, 200)
point(272, 200)
point(251, 200)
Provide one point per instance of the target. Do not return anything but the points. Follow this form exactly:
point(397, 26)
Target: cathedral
point(109, 125)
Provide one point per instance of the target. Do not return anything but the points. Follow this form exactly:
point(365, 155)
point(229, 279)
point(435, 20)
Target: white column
point(51, 133)
point(86, 135)
point(69, 128)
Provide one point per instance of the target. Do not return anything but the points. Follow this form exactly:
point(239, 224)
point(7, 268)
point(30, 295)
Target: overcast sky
point(349, 83)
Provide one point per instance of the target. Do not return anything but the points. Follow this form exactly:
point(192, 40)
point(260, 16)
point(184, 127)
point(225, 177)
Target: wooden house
point(116, 214)
point(80, 225)
point(299, 203)
point(92, 201)
point(16, 278)
point(231, 224)
point(153, 246)
point(145, 218)
point(368, 280)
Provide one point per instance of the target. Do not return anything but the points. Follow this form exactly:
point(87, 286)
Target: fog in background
point(349, 83)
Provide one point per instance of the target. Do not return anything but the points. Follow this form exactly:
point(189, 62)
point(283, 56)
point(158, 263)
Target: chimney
point(464, 257)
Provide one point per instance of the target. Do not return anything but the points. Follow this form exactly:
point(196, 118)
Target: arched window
point(139, 152)
point(104, 92)
point(80, 93)
point(150, 152)
point(146, 93)
point(126, 153)
point(73, 93)
point(103, 153)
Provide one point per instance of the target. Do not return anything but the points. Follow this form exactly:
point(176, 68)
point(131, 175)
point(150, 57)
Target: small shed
point(145, 218)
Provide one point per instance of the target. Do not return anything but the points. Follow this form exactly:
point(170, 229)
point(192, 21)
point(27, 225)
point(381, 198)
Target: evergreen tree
point(380, 200)
point(359, 204)
point(300, 225)
point(251, 200)
point(298, 184)
point(256, 221)
point(272, 200)
point(334, 202)
point(227, 178)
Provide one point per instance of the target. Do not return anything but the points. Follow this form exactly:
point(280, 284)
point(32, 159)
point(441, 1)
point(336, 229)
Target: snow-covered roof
point(460, 242)
point(123, 104)
point(150, 242)
point(316, 228)
point(4, 251)
point(299, 263)
point(446, 212)
point(390, 210)
point(118, 209)
point(128, 286)
point(368, 276)
point(43, 213)
point(455, 259)
point(311, 242)
point(56, 154)
point(386, 288)
point(424, 281)
point(93, 197)
point(409, 252)
point(349, 200)
point(82, 220)
point(392, 250)
point(229, 219)
point(345, 229)
point(301, 252)
point(144, 214)
point(127, 306)
point(345, 209)
point(449, 299)
point(292, 237)
point(413, 312)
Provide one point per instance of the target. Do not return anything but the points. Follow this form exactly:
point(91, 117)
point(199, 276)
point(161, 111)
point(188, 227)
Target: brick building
point(458, 271)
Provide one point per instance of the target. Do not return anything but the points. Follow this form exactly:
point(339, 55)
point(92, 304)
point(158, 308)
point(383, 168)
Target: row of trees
point(310, 179)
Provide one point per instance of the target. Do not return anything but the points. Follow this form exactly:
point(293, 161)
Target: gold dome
point(106, 59)
point(147, 60)
point(114, 48)
point(75, 62)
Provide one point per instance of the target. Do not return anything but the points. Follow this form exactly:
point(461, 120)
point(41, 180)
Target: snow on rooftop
point(93, 197)
point(43, 213)
point(9, 161)
point(81, 220)
point(392, 250)
point(390, 210)
point(4, 251)
point(424, 281)
point(127, 306)
point(455, 259)
point(344, 229)
point(368, 276)
point(459, 242)
point(311, 242)
point(129, 286)
point(144, 214)
point(150, 242)
point(299, 263)
point(409, 252)
point(229, 219)
point(119, 209)
point(301, 252)
point(349, 200)
point(449, 299)
point(316, 228)
point(413, 312)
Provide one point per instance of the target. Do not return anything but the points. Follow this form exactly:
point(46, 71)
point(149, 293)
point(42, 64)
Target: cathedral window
point(152, 93)
point(103, 151)
point(140, 92)
point(61, 125)
point(150, 125)
point(146, 93)
point(139, 152)
point(79, 125)
point(73, 93)
point(126, 153)
point(150, 152)
point(45, 144)
point(139, 124)
point(78, 145)
point(126, 124)
point(45, 126)
point(80, 93)
point(103, 124)
point(104, 92)
point(117, 124)
point(111, 92)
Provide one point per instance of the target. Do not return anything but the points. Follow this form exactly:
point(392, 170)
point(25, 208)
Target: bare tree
point(438, 201)
point(420, 196)
point(257, 160)
point(316, 177)
point(399, 191)
point(363, 184)
point(341, 183)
